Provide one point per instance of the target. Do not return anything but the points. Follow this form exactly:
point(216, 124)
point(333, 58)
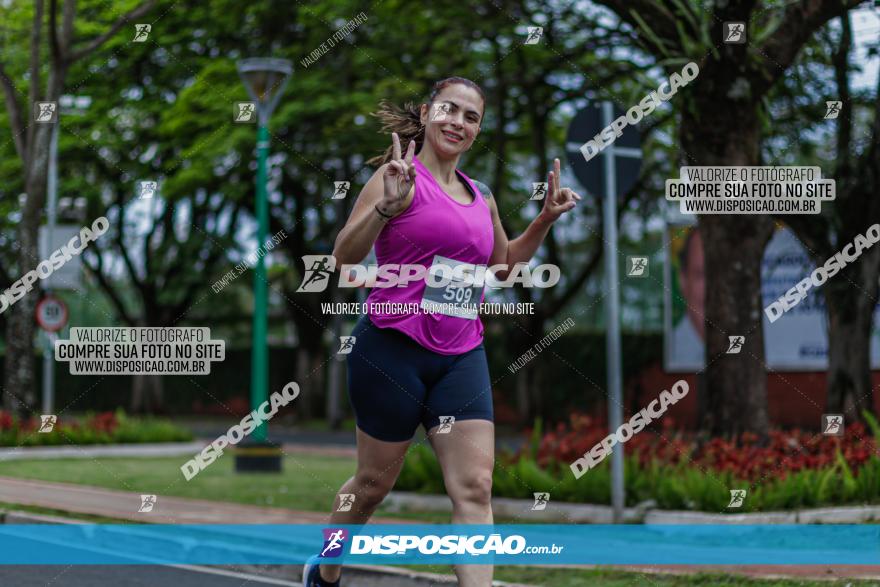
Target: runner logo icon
point(446, 423)
point(832, 424)
point(147, 503)
point(141, 32)
point(47, 422)
point(734, 33)
point(638, 267)
point(346, 500)
point(147, 189)
point(736, 343)
point(46, 112)
point(346, 344)
point(539, 190)
point(334, 542)
point(341, 189)
point(832, 109)
point(541, 500)
point(737, 496)
point(534, 35)
point(245, 112)
point(317, 273)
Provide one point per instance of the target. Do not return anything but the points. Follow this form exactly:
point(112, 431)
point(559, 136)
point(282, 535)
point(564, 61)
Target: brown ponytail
point(406, 121)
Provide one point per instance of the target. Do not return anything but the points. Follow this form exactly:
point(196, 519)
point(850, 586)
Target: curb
point(644, 513)
point(402, 501)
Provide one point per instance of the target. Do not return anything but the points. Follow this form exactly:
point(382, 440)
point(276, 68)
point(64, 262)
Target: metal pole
point(51, 213)
point(613, 367)
point(259, 352)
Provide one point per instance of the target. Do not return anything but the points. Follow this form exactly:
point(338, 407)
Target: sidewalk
point(123, 505)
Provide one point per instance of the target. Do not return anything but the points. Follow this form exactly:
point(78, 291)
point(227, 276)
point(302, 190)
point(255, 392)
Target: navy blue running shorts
point(395, 384)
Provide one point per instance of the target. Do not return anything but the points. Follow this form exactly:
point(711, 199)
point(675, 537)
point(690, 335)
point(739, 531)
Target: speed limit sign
point(51, 314)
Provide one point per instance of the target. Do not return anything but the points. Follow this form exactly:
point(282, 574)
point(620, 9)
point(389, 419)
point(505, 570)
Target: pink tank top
point(434, 224)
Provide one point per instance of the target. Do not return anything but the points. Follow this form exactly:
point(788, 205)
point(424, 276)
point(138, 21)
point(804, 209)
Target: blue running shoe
point(311, 576)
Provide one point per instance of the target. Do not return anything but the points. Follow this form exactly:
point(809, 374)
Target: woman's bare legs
point(378, 465)
point(467, 457)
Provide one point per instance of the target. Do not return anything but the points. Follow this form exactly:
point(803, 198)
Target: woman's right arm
point(389, 190)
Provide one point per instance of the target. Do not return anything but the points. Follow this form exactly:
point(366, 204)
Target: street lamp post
point(264, 79)
point(68, 105)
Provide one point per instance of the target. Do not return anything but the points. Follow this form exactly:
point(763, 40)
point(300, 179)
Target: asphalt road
point(179, 576)
point(61, 574)
point(129, 576)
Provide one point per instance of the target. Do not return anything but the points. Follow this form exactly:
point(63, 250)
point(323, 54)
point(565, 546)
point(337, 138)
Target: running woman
point(424, 368)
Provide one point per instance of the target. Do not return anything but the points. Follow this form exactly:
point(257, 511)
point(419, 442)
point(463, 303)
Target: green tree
point(54, 47)
point(723, 112)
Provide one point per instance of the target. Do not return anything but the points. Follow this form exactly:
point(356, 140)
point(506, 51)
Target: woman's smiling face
point(453, 120)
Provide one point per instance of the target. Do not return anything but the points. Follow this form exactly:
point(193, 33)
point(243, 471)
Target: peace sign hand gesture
point(399, 177)
point(558, 200)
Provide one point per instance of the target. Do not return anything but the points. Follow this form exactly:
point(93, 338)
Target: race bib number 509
point(459, 297)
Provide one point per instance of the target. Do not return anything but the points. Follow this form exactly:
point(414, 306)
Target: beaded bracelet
point(383, 215)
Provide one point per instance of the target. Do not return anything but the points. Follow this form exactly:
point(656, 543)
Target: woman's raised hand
point(559, 200)
point(399, 177)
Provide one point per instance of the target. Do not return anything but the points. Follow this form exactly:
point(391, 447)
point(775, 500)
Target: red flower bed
point(105, 422)
point(785, 452)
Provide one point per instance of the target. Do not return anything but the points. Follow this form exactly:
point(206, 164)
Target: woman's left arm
point(521, 249)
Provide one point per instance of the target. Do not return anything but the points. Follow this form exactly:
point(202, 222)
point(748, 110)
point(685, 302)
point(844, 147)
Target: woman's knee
point(372, 487)
point(475, 487)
